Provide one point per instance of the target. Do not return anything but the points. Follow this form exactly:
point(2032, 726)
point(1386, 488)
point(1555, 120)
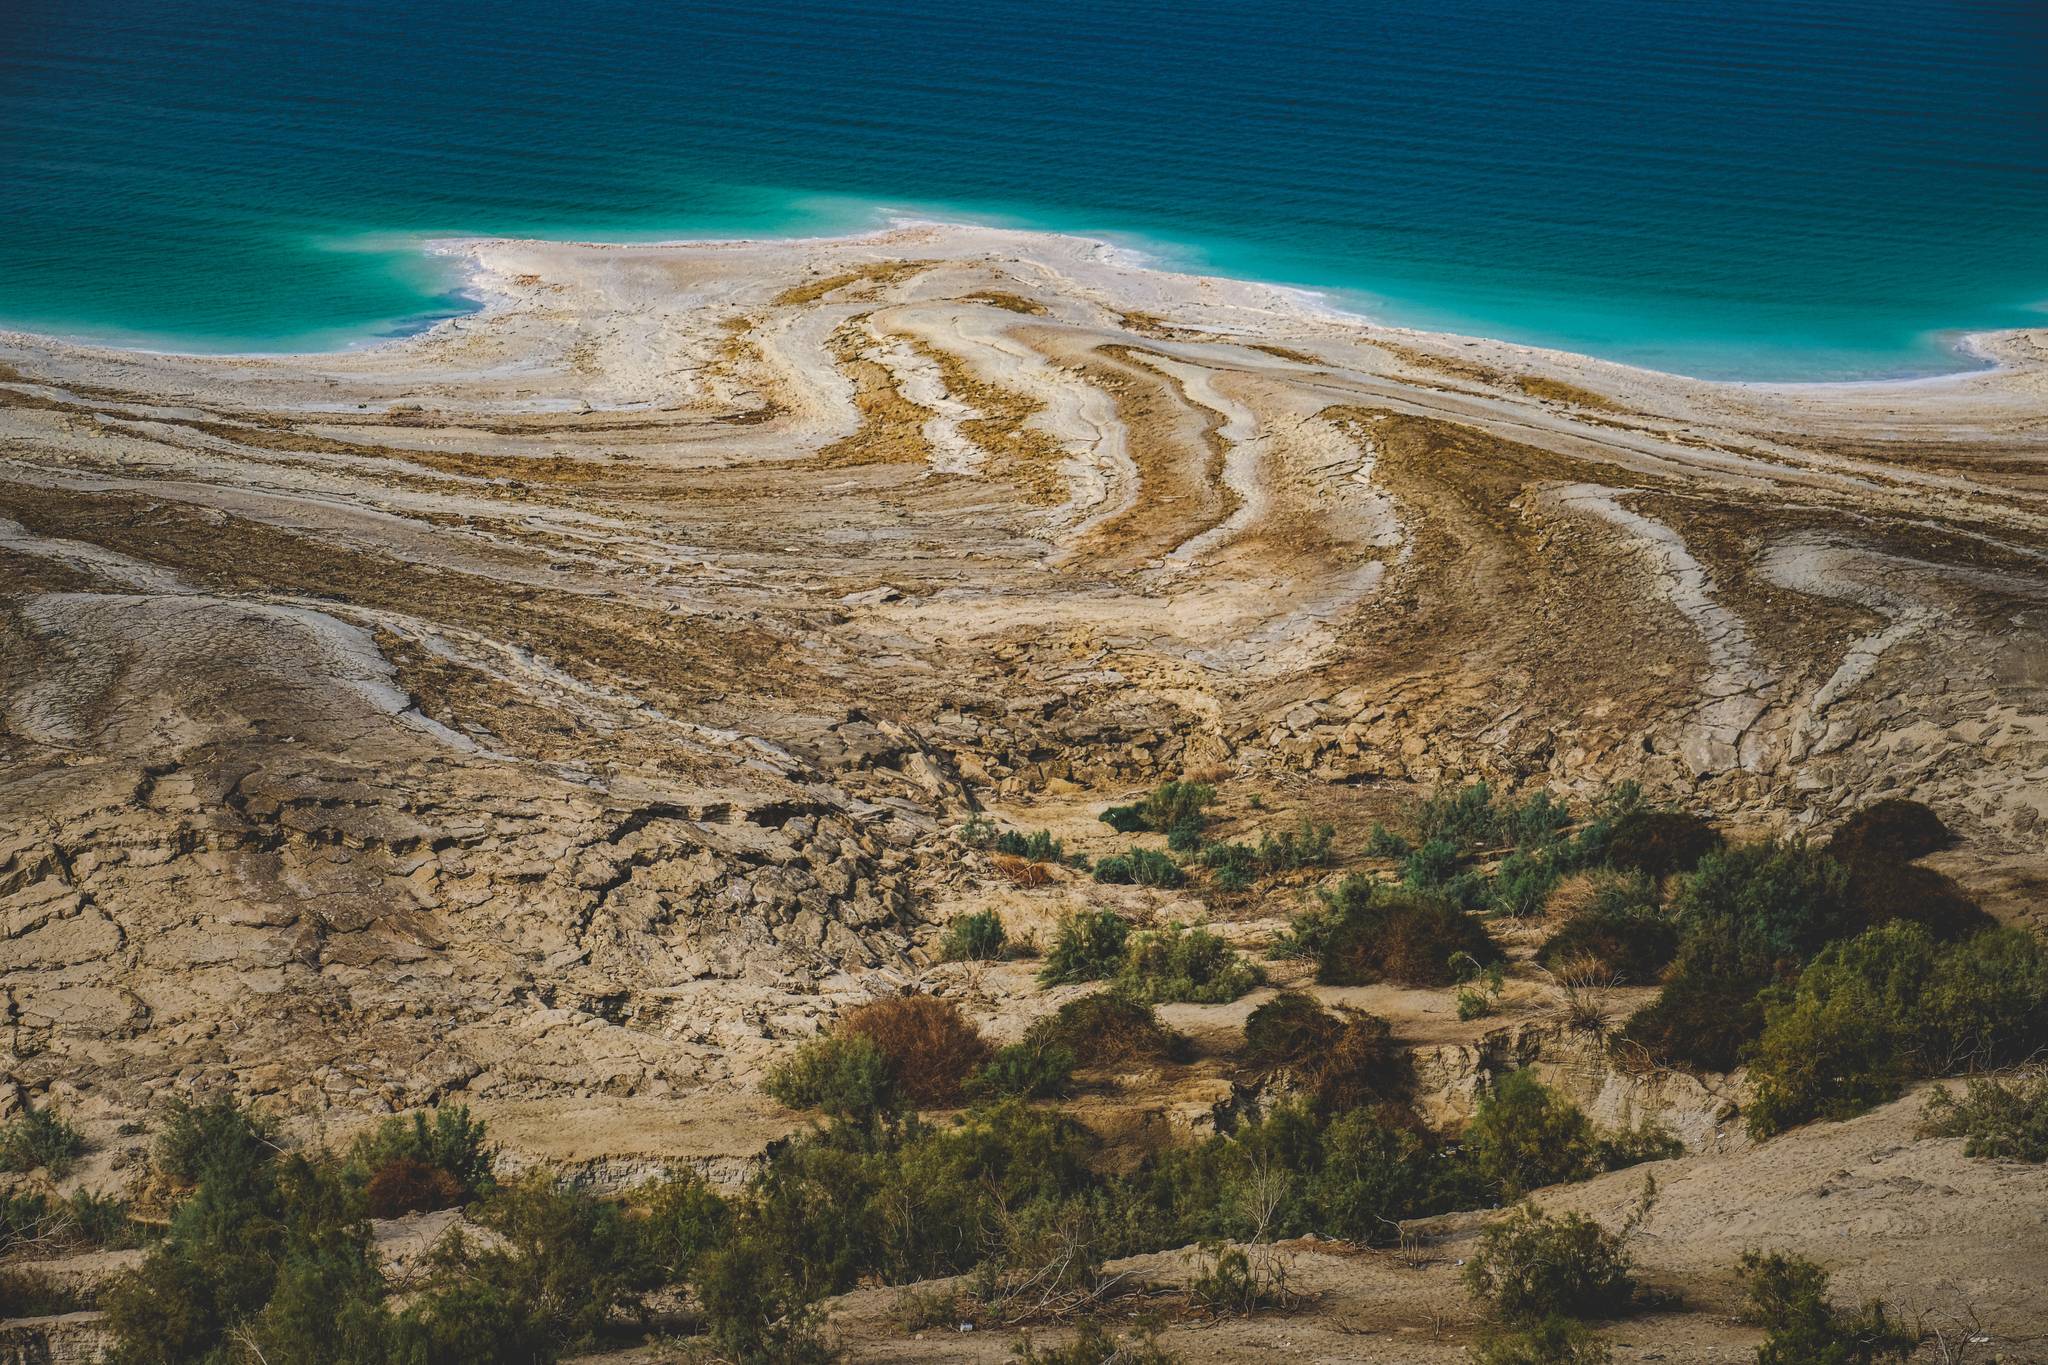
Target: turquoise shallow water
point(1784, 190)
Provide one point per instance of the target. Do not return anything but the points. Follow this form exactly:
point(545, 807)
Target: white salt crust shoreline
point(1993, 351)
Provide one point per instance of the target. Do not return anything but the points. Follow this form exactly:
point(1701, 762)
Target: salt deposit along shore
point(564, 710)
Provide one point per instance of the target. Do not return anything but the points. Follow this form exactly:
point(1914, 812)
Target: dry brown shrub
point(408, 1185)
point(1572, 895)
point(930, 1045)
point(1023, 872)
point(1582, 980)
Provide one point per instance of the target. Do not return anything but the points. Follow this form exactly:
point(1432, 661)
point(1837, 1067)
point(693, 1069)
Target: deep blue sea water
point(1803, 188)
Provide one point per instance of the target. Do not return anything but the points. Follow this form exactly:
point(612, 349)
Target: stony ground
point(567, 710)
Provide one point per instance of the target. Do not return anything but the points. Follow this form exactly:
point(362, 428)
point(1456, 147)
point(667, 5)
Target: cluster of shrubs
point(271, 1249)
point(1179, 810)
point(1140, 867)
point(1173, 963)
point(1235, 866)
point(1532, 839)
point(1890, 1006)
point(1541, 1277)
point(269, 1256)
point(1838, 973)
point(1788, 1299)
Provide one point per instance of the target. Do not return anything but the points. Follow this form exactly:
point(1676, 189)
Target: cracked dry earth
point(563, 710)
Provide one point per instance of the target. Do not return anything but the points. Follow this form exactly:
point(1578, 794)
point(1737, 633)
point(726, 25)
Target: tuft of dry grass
point(1008, 302)
point(1558, 391)
point(1023, 872)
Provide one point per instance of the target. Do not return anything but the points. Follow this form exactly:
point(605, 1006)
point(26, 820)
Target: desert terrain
point(571, 709)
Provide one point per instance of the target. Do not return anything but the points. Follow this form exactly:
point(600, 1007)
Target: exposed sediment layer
point(565, 702)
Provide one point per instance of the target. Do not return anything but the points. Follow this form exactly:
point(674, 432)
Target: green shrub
point(1176, 803)
point(1630, 945)
point(679, 1221)
point(452, 1143)
point(756, 1312)
point(1479, 986)
point(1368, 1175)
point(1531, 1265)
point(217, 1137)
point(1788, 1298)
point(25, 1216)
point(470, 1324)
point(1462, 817)
point(1341, 1059)
point(1432, 864)
point(1891, 829)
point(1521, 884)
point(25, 1292)
point(325, 1308)
point(1140, 867)
point(1186, 837)
point(1088, 946)
point(1168, 807)
point(1535, 822)
point(1748, 910)
point(36, 1139)
point(1029, 1071)
point(571, 1260)
point(1658, 843)
point(1747, 916)
point(1236, 858)
point(978, 937)
point(1124, 819)
point(1180, 964)
point(1039, 847)
point(848, 1078)
point(1372, 933)
point(1874, 1012)
point(1384, 843)
point(2005, 1118)
point(1236, 865)
point(1105, 1028)
point(1523, 1136)
point(1232, 878)
point(1647, 1141)
point(1553, 1340)
point(269, 1245)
